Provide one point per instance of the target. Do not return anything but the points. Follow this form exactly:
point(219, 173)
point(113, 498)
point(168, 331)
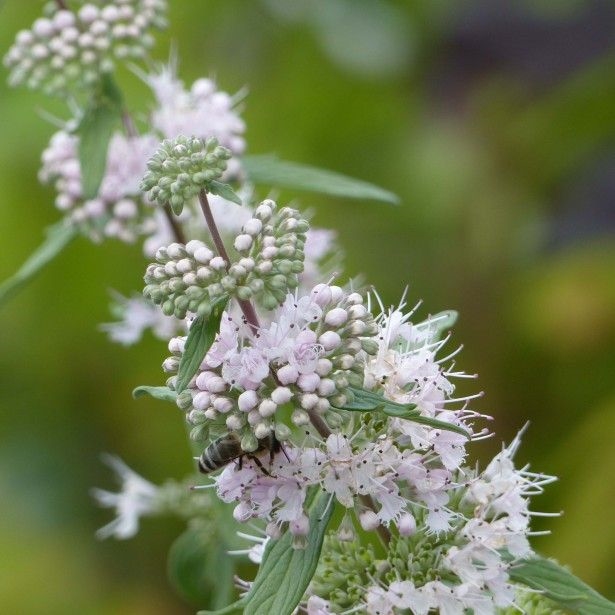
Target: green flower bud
point(183, 167)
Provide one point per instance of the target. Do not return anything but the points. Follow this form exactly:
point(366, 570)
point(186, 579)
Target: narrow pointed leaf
point(57, 238)
point(285, 572)
point(201, 336)
point(225, 191)
point(436, 424)
point(561, 586)
point(95, 129)
point(271, 171)
point(364, 401)
point(368, 401)
point(162, 393)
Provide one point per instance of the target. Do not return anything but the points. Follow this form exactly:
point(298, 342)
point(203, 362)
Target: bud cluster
point(192, 278)
point(457, 568)
point(118, 210)
point(66, 48)
point(181, 168)
point(202, 111)
point(300, 364)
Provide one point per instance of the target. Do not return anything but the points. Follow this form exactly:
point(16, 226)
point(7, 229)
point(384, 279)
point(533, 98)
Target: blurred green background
point(495, 124)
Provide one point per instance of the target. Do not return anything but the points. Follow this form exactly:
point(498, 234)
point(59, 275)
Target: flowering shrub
point(323, 418)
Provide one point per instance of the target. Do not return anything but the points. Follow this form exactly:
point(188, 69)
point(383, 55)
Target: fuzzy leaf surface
point(201, 336)
point(285, 572)
point(561, 586)
point(272, 171)
point(57, 238)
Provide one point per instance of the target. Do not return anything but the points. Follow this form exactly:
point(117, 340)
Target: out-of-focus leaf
point(162, 393)
point(201, 336)
point(95, 129)
point(561, 586)
point(271, 171)
point(225, 191)
point(57, 238)
point(200, 568)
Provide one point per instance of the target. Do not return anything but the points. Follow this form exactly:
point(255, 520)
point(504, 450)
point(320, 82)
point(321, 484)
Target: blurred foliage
point(490, 120)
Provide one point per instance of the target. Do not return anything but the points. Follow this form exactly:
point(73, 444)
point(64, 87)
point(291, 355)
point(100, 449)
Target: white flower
point(137, 498)
point(136, 316)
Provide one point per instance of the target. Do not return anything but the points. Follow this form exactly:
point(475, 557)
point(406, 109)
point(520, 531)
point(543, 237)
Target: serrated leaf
point(200, 568)
point(271, 171)
point(561, 586)
point(95, 129)
point(225, 191)
point(57, 238)
point(369, 401)
point(201, 336)
point(285, 572)
point(162, 393)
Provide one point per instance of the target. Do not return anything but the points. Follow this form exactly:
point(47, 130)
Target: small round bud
point(267, 408)
point(288, 374)
point(330, 340)
point(300, 417)
point(406, 525)
point(369, 520)
point(247, 401)
point(336, 317)
point(282, 432)
point(281, 395)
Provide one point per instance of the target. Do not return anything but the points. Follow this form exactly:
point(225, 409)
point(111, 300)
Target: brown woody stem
point(246, 306)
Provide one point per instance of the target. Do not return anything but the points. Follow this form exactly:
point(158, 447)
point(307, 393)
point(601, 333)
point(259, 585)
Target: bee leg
point(284, 451)
point(260, 465)
point(240, 462)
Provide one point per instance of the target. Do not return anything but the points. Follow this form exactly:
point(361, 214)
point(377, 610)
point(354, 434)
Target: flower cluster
point(299, 364)
point(67, 49)
point(192, 278)
point(463, 567)
point(118, 210)
point(183, 167)
point(202, 111)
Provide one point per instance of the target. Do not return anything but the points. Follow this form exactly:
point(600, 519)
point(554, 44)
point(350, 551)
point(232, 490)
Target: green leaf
point(285, 572)
point(271, 171)
point(436, 424)
point(368, 401)
point(201, 336)
point(225, 191)
point(163, 393)
point(95, 129)
point(200, 568)
point(561, 586)
point(57, 238)
point(364, 401)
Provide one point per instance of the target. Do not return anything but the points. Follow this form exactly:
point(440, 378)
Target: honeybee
point(227, 448)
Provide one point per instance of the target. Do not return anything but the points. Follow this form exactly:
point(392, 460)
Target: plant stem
point(128, 123)
point(178, 232)
point(323, 429)
point(246, 306)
